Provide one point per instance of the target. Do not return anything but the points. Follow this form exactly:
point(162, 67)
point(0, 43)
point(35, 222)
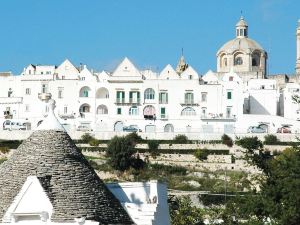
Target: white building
point(179, 101)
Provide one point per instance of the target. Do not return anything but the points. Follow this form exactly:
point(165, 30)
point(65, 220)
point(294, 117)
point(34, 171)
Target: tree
point(121, 153)
point(226, 140)
point(181, 139)
point(271, 139)
point(278, 200)
point(153, 147)
point(183, 213)
point(201, 154)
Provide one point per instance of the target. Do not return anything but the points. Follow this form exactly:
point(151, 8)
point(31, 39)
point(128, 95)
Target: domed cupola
point(242, 54)
point(241, 28)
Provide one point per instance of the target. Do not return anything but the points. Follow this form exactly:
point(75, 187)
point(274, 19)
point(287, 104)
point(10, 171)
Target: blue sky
point(151, 33)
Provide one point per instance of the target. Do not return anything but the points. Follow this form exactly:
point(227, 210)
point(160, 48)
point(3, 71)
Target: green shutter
point(118, 94)
point(162, 111)
point(130, 95)
point(229, 95)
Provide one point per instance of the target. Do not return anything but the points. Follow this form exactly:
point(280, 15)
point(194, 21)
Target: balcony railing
point(189, 102)
point(134, 100)
point(120, 100)
point(164, 117)
point(161, 101)
point(218, 117)
point(131, 101)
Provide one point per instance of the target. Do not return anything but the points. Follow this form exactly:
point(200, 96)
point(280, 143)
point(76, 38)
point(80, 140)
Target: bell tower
point(298, 48)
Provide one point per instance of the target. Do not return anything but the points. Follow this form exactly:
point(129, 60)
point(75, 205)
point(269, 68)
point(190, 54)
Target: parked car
point(131, 128)
point(256, 129)
point(14, 125)
point(284, 129)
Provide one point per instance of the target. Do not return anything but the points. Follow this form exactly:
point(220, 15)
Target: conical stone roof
point(73, 187)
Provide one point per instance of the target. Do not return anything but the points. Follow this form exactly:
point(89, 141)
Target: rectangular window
point(119, 111)
point(190, 77)
point(228, 112)
point(229, 95)
point(163, 98)
point(134, 96)
point(66, 110)
point(189, 98)
point(203, 112)
point(60, 93)
point(44, 88)
point(120, 96)
point(204, 97)
point(163, 112)
point(27, 108)
point(27, 91)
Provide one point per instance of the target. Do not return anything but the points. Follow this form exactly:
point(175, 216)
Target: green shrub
point(120, 151)
point(4, 150)
point(201, 154)
point(168, 169)
point(181, 139)
point(94, 142)
point(153, 147)
point(11, 144)
point(271, 139)
point(226, 140)
point(2, 160)
point(86, 138)
point(250, 143)
point(134, 138)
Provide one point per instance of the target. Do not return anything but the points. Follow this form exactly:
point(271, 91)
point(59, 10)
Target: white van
point(14, 125)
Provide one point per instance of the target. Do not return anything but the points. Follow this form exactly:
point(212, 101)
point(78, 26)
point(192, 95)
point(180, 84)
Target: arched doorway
point(169, 128)
point(102, 110)
point(149, 112)
point(119, 126)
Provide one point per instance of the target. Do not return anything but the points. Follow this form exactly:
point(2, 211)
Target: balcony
point(189, 102)
point(44, 96)
point(212, 116)
point(11, 100)
point(120, 101)
point(132, 101)
point(163, 101)
point(164, 117)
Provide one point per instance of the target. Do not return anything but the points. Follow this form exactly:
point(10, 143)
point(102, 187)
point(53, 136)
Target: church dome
point(242, 54)
point(242, 44)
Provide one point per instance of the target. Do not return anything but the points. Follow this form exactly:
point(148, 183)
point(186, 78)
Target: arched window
point(149, 112)
point(149, 94)
point(169, 128)
point(238, 61)
point(102, 109)
point(134, 110)
point(188, 111)
point(256, 59)
point(84, 92)
point(102, 93)
point(85, 108)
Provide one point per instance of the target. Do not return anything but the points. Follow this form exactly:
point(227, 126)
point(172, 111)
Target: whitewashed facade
point(180, 101)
